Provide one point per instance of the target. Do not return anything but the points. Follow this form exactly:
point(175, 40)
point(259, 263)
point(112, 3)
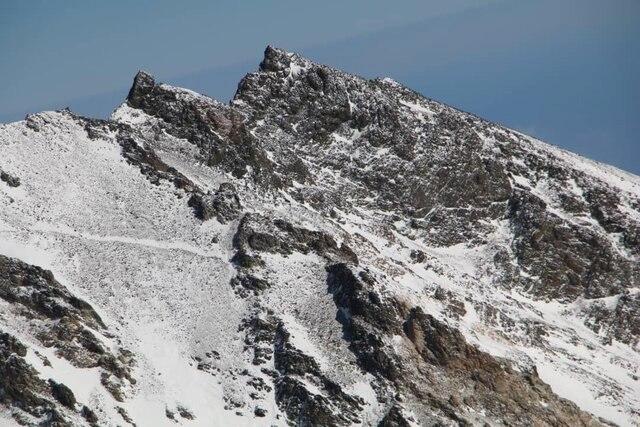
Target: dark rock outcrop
point(38, 291)
point(22, 388)
point(504, 392)
point(10, 180)
point(63, 394)
point(394, 418)
point(248, 283)
point(223, 204)
point(218, 131)
point(262, 234)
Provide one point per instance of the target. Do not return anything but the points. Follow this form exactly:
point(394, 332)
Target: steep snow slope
point(324, 250)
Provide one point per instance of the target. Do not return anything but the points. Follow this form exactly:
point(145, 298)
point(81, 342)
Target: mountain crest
point(323, 250)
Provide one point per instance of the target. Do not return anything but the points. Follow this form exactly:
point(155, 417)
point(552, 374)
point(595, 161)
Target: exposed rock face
point(60, 321)
point(206, 123)
point(38, 292)
point(366, 318)
point(152, 166)
point(324, 250)
point(570, 260)
point(619, 320)
point(490, 383)
point(326, 108)
point(19, 382)
point(479, 379)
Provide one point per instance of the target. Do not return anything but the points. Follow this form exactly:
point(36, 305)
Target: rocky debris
point(10, 180)
point(43, 121)
point(223, 204)
point(454, 307)
point(169, 414)
point(125, 415)
point(418, 256)
point(261, 234)
point(185, 413)
point(246, 284)
point(242, 259)
point(207, 362)
point(96, 128)
point(259, 329)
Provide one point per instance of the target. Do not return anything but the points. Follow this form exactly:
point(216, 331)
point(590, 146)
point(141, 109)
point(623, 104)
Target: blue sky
point(565, 71)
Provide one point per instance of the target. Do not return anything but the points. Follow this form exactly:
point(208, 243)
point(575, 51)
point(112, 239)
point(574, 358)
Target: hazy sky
point(565, 71)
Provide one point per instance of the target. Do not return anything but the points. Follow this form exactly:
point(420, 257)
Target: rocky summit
point(323, 250)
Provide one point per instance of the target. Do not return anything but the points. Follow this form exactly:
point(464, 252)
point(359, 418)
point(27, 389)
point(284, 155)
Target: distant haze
point(564, 71)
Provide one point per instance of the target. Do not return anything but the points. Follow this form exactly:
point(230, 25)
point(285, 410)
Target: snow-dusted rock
point(324, 250)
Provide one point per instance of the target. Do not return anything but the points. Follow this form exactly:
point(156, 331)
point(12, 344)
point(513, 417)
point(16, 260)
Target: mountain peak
point(275, 59)
point(143, 83)
point(303, 255)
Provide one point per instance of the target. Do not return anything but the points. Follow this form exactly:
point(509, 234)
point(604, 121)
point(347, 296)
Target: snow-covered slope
point(324, 250)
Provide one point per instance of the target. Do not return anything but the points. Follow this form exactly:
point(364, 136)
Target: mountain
point(323, 250)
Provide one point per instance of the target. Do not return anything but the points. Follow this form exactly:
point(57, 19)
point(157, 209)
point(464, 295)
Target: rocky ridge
point(324, 250)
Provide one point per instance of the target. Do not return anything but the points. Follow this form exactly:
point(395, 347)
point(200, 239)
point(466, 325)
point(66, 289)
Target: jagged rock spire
point(143, 83)
point(275, 59)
